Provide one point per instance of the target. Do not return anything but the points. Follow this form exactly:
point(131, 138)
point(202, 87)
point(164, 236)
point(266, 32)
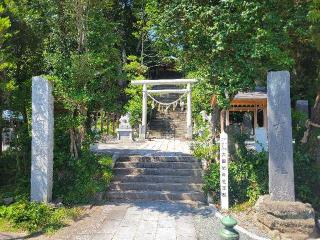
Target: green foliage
point(36, 217)
point(314, 17)
point(135, 71)
point(202, 145)
point(201, 93)
point(306, 171)
point(232, 44)
point(208, 152)
point(248, 177)
point(78, 180)
point(248, 172)
point(306, 177)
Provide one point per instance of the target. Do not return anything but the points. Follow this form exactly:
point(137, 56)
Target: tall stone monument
point(42, 140)
point(278, 211)
point(281, 176)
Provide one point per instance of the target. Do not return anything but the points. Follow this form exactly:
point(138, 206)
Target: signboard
point(224, 156)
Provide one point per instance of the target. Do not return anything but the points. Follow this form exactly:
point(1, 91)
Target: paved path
point(164, 147)
point(143, 221)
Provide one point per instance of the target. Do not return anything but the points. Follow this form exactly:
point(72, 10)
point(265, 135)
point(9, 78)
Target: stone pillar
point(144, 112)
point(189, 112)
point(42, 140)
point(281, 175)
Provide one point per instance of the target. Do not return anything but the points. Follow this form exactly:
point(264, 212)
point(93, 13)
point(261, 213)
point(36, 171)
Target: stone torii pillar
point(189, 112)
point(144, 112)
point(145, 92)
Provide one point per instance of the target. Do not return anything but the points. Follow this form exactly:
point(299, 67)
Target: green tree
point(5, 85)
point(234, 43)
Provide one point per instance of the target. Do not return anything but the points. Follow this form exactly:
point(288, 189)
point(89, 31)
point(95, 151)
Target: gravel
point(208, 225)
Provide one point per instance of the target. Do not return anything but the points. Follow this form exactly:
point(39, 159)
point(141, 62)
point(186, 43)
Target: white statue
point(125, 121)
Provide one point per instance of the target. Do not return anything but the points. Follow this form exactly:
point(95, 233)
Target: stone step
point(172, 165)
point(157, 171)
point(160, 131)
point(176, 121)
point(166, 136)
point(161, 126)
point(158, 178)
point(156, 195)
point(163, 134)
point(157, 159)
point(142, 186)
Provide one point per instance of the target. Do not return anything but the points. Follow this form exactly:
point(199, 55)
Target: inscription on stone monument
point(281, 176)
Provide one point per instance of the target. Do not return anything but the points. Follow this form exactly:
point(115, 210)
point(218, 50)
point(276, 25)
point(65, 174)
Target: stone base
point(125, 135)
point(284, 219)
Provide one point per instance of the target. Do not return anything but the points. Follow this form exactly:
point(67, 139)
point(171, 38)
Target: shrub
point(35, 217)
point(78, 180)
point(248, 177)
point(306, 177)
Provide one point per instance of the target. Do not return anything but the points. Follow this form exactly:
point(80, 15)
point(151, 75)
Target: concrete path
point(144, 221)
point(148, 220)
point(163, 147)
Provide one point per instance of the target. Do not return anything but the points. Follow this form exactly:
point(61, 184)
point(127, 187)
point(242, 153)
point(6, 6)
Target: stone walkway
point(163, 147)
point(143, 221)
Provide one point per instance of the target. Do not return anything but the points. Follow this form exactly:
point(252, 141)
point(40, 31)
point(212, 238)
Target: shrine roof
point(246, 100)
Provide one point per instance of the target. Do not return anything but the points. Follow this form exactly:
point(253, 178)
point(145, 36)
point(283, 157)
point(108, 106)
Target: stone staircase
point(171, 124)
point(171, 178)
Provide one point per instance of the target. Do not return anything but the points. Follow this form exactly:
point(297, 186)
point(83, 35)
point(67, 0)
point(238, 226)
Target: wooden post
point(101, 120)
point(265, 118)
point(222, 120)
point(96, 121)
point(227, 118)
point(255, 120)
point(114, 123)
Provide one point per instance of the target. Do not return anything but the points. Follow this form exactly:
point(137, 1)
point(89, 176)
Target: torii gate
point(145, 92)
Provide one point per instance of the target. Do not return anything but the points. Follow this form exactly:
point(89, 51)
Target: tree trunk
point(73, 144)
point(96, 121)
point(314, 141)
point(114, 124)
point(101, 121)
point(311, 135)
point(107, 122)
point(1, 129)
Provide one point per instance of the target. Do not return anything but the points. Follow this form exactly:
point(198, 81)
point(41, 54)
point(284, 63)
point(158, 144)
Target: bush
point(306, 177)
point(35, 217)
point(78, 180)
point(248, 177)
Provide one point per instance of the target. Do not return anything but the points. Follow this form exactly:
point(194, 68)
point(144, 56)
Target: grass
point(6, 226)
point(242, 206)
